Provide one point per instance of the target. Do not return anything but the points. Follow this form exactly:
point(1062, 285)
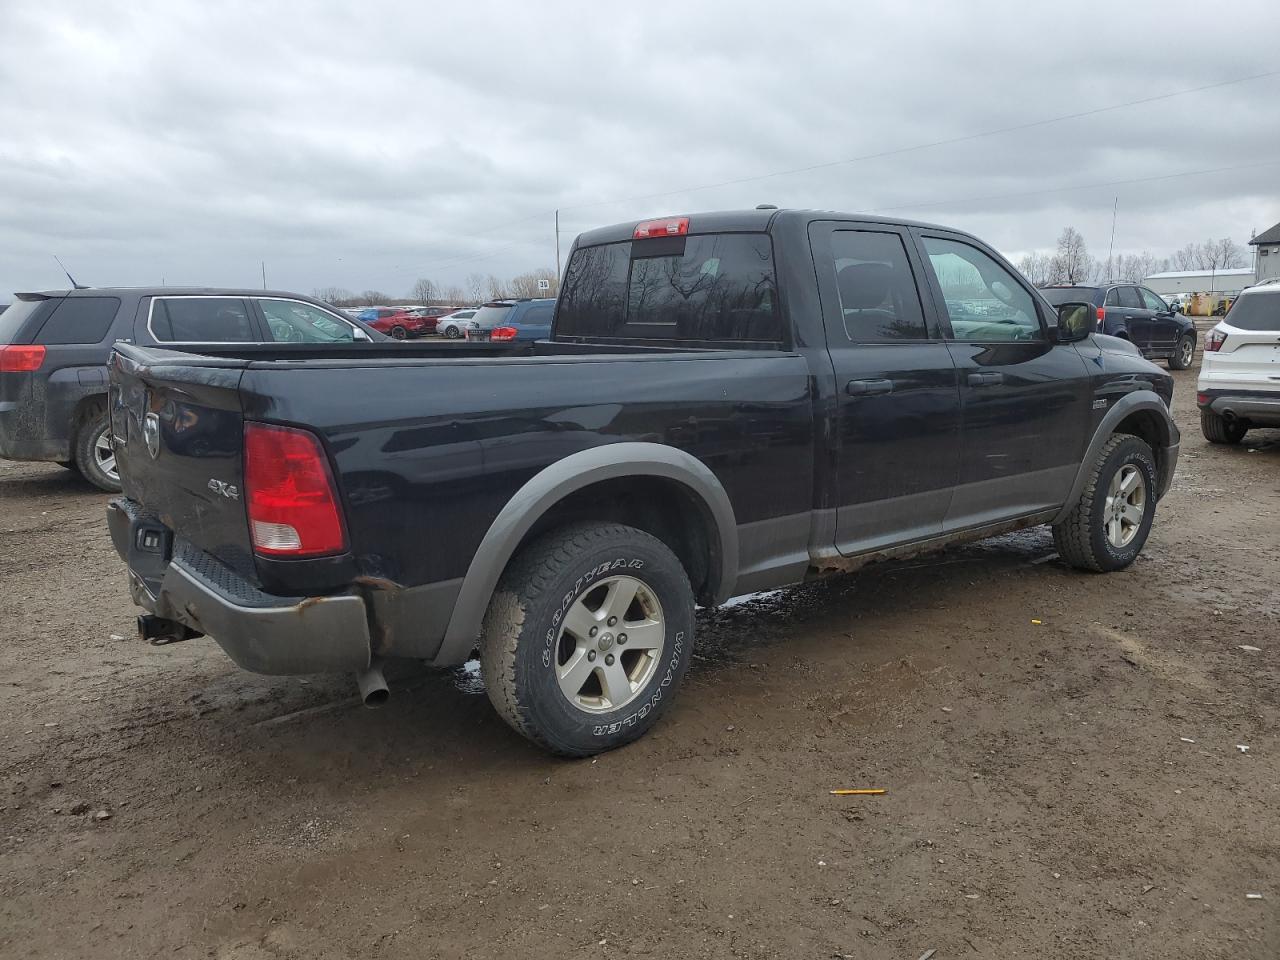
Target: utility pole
point(264, 274)
point(1111, 249)
point(557, 247)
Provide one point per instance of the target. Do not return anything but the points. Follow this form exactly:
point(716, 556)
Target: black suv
point(54, 348)
point(1134, 313)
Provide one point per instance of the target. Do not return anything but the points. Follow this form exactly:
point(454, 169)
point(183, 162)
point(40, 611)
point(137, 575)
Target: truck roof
point(742, 221)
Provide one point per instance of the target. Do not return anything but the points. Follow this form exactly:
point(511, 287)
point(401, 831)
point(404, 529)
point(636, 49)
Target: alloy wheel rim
point(610, 644)
point(104, 455)
point(1126, 505)
point(1188, 351)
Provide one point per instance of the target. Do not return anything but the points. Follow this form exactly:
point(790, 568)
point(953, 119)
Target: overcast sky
point(366, 145)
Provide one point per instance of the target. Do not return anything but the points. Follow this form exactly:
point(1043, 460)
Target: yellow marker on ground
point(857, 793)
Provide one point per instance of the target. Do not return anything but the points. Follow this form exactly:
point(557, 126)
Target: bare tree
point(497, 287)
point(475, 287)
point(1037, 267)
point(526, 284)
point(1134, 267)
point(374, 298)
point(424, 291)
point(337, 296)
point(1224, 254)
point(1072, 263)
point(453, 295)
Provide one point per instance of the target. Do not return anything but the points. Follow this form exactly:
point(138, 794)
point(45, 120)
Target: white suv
point(1239, 385)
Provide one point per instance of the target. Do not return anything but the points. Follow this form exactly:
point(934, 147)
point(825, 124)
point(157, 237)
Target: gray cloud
point(364, 147)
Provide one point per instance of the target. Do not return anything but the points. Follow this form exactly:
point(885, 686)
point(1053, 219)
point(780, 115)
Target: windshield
point(1253, 311)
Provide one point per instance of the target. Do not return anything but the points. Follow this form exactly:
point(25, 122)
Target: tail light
point(503, 333)
point(667, 227)
point(1102, 315)
point(290, 494)
point(20, 358)
point(1214, 339)
point(1202, 399)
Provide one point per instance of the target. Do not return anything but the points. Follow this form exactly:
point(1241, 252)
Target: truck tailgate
point(179, 437)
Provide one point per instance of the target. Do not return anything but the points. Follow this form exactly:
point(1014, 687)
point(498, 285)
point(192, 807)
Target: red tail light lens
point(290, 494)
point(1214, 339)
point(21, 358)
point(503, 333)
point(667, 227)
point(1102, 315)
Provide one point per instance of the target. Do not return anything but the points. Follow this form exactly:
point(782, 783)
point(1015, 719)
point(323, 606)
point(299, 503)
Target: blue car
point(512, 320)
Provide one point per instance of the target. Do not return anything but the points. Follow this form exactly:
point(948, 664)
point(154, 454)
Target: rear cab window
point(704, 288)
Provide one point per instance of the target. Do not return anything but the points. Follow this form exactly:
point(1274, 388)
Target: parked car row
point(517, 319)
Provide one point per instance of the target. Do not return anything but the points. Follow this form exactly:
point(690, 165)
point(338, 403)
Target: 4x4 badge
point(151, 434)
point(226, 489)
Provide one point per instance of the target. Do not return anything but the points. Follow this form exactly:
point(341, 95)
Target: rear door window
point(79, 320)
point(201, 320)
point(879, 300)
point(539, 315)
point(713, 287)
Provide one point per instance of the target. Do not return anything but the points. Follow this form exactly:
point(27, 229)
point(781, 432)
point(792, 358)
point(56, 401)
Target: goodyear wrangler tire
point(587, 637)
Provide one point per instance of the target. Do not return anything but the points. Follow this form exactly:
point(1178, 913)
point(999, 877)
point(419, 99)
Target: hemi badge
point(1099, 404)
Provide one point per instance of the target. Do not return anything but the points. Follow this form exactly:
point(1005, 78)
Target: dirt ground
point(1064, 756)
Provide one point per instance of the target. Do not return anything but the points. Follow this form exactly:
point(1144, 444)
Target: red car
point(397, 322)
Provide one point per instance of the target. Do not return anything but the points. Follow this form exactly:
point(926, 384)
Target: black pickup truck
point(728, 402)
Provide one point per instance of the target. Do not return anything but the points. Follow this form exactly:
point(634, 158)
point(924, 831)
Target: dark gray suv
point(54, 348)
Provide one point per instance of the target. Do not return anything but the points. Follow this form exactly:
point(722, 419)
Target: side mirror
point(1076, 321)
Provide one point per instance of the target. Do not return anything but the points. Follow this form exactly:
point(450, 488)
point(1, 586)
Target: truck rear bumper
point(261, 632)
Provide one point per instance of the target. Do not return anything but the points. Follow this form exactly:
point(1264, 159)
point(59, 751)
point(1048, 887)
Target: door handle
point(868, 388)
point(987, 379)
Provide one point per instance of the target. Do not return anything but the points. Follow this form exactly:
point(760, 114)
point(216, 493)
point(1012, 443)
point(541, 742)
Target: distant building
point(1266, 253)
point(1225, 282)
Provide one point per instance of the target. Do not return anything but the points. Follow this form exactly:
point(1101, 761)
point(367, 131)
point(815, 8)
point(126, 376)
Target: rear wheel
point(1109, 524)
point(452, 332)
point(1184, 354)
point(399, 333)
point(587, 637)
point(94, 455)
point(1218, 429)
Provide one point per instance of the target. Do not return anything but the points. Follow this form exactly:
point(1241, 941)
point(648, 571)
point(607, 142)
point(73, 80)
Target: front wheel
point(587, 637)
point(1110, 522)
point(1184, 354)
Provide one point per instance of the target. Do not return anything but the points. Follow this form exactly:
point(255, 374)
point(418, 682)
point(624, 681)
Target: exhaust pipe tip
point(373, 686)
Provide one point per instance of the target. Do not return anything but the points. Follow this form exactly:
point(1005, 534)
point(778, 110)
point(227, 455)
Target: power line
point(897, 151)
point(1081, 186)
